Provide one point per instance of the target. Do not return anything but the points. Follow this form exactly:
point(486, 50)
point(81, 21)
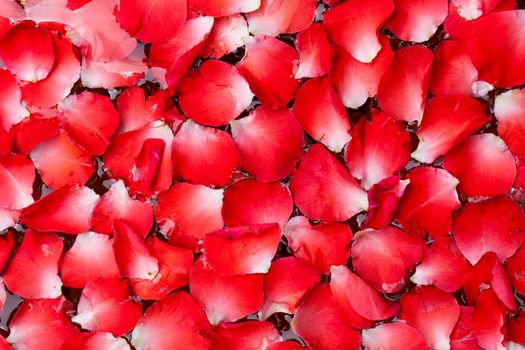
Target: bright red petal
point(253, 335)
point(214, 94)
point(515, 267)
point(322, 245)
point(462, 337)
point(33, 272)
point(488, 320)
point(417, 20)
point(494, 225)
point(356, 81)
point(315, 52)
point(27, 51)
point(95, 341)
point(354, 25)
point(483, 165)
point(428, 202)
point(379, 149)
point(393, 336)
point(41, 324)
point(11, 110)
point(79, 265)
point(268, 68)
point(204, 155)
point(433, 313)
point(142, 19)
point(286, 283)
point(320, 316)
point(75, 203)
point(383, 199)
point(443, 266)
point(176, 322)
point(34, 130)
point(509, 108)
point(7, 244)
point(276, 17)
point(225, 299)
point(323, 189)
point(17, 175)
point(268, 136)
point(242, 250)
point(402, 92)
point(286, 345)
point(227, 35)
point(250, 202)
point(219, 8)
point(385, 257)
point(321, 113)
point(106, 306)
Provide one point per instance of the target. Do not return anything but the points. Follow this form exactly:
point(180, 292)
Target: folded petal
point(323, 189)
point(417, 20)
point(469, 163)
point(254, 335)
point(508, 109)
point(385, 257)
point(448, 120)
point(286, 284)
point(250, 202)
point(33, 272)
point(227, 35)
point(320, 315)
point(204, 155)
point(321, 113)
point(142, 19)
point(214, 94)
point(322, 245)
point(268, 136)
point(67, 210)
point(462, 337)
point(488, 320)
point(176, 322)
point(79, 265)
point(443, 266)
point(354, 25)
point(242, 250)
point(268, 68)
point(402, 92)
point(315, 52)
point(356, 81)
point(393, 336)
point(428, 202)
point(383, 199)
point(433, 313)
point(225, 299)
point(276, 17)
point(493, 225)
point(115, 73)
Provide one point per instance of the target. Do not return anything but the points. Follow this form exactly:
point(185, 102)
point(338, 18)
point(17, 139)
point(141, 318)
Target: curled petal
point(227, 35)
point(383, 199)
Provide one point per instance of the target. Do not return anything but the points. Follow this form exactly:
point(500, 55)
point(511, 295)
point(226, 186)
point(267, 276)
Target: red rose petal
point(42, 323)
point(225, 299)
point(176, 322)
point(34, 130)
point(250, 202)
point(27, 51)
point(268, 68)
point(142, 19)
point(417, 20)
point(95, 341)
point(496, 224)
point(79, 265)
point(204, 155)
point(315, 52)
point(285, 285)
point(470, 10)
point(268, 136)
point(383, 199)
point(488, 320)
point(221, 8)
point(356, 81)
point(17, 175)
point(286, 345)
point(469, 163)
point(75, 203)
point(379, 149)
point(515, 268)
point(320, 315)
point(253, 335)
point(462, 337)
point(214, 94)
point(385, 257)
point(322, 245)
point(227, 35)
point(319, 110)
point(433, 313)
point(7, 245)
point(116, 73)
point(33, 272)
point(242, 250)
point(276, 17)
point(11, 110)
point(443, 266)
point(428, 202)
point(508, 109)
point(402, 92)
point(323, 189)
point(354, 25)
point(393, 336)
